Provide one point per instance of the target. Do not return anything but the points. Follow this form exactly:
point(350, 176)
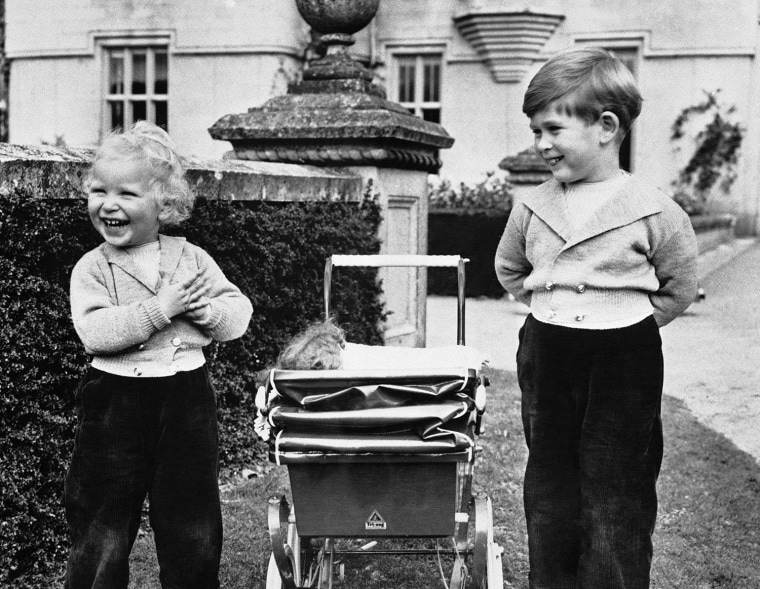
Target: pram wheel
point(294, 562)
point(486, 553)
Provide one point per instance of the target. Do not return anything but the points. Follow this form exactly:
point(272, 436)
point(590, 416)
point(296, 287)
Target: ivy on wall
point(716, 152)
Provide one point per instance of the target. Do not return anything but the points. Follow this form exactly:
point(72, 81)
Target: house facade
point(81, 67)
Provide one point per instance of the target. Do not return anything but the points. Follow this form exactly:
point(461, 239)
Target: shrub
point(716, 152)
point(470, 234)
point(274, 252)
point(493, 192)
point(468, 222)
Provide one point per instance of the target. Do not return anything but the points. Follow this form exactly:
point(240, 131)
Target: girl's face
point(571, 147)
point(120, 203)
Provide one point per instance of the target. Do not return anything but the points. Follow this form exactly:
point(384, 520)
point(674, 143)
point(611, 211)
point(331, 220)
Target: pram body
point(381, 452)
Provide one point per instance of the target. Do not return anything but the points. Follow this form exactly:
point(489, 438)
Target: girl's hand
point(199, 310)
point(177, 298)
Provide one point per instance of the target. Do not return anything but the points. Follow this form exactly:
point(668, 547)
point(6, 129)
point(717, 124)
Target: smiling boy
point(603, 260)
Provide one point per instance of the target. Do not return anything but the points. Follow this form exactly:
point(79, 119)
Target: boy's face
point(571, 147)
point(120, 203)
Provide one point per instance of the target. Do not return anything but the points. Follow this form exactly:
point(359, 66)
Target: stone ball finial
point(337, 16)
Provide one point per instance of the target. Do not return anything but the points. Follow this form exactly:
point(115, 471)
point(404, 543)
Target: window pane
point(432, 114)
point(117, 114)
point(432, 81)
point(116, 73)
point(162, 115)
point(139, 111)
point(138, 72)
point(406, 79)
point(161, 83)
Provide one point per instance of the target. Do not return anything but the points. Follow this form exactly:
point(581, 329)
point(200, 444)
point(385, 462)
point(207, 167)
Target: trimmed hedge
point(274, 252)
point(473, 234)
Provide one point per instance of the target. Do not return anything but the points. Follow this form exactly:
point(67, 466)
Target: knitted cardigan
point(636, 254)
point(116, 313)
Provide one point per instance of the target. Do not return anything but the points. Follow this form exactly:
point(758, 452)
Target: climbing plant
point(716, 152)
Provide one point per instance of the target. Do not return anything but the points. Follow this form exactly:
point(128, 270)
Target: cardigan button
point(176, 342)
point(581, 288)
point(138, 372)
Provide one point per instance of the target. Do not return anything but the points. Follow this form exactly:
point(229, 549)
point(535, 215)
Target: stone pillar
point(337, 117)
point(526, 170)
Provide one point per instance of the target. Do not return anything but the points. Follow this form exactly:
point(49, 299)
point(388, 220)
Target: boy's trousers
point(591, 412)
point(136, 437)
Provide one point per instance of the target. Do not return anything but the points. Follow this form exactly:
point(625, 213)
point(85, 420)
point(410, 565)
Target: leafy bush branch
point(715, 155)
point(493, 192)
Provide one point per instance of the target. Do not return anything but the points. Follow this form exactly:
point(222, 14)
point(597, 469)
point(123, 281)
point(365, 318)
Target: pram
point(385, 451)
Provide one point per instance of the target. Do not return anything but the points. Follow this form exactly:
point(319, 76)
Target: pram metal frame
point(298, 560)
point(402, 260)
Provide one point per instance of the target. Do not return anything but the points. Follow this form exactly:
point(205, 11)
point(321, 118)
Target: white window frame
point(150, 44)
point(417, 105)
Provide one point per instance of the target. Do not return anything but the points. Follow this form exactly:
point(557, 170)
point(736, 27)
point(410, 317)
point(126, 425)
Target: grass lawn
point(707, 537)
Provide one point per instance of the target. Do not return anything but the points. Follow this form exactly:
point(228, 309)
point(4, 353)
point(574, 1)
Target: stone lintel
point(49, 172)
point(234, 179)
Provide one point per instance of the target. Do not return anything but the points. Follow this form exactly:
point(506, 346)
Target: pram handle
point(396, 260)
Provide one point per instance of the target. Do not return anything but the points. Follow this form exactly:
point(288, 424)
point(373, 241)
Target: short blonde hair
point(152, 145)
point(585, 82)
point(318, 347)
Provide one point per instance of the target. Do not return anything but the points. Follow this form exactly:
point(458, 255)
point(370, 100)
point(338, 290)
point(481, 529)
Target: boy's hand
point(178, 298)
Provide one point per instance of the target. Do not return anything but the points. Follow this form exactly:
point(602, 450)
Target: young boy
point(144, 305)
point(603, 260)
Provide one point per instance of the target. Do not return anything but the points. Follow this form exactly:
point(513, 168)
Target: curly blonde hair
point(318, 347)
point(151, 144)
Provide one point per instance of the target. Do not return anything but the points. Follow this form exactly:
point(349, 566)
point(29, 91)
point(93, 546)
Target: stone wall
point(56, 173)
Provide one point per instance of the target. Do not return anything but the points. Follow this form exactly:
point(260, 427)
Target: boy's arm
point(102, 325)
point(511, 264)
point(229, 310)
point(675, 264)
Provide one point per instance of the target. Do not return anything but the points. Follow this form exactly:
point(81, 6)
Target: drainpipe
point(748, 222)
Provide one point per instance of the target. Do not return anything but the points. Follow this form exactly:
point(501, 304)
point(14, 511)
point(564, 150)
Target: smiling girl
point(144, 305)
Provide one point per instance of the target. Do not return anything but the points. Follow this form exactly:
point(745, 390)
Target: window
point(417, 85)
point(137, 86)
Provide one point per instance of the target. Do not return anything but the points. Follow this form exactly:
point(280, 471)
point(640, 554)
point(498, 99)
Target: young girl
point(144, 305)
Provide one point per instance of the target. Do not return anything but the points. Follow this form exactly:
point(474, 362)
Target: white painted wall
point(226, 56)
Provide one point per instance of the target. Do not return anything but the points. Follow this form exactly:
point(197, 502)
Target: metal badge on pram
point(375, 522)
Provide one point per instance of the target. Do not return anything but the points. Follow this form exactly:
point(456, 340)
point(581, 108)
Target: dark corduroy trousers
point(136, 437)
point(591, 412)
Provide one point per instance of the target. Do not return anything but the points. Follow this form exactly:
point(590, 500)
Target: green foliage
point(473, 234)
point(274, 252)
point(468, 222)
point(715, 154)
point(493, 192)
